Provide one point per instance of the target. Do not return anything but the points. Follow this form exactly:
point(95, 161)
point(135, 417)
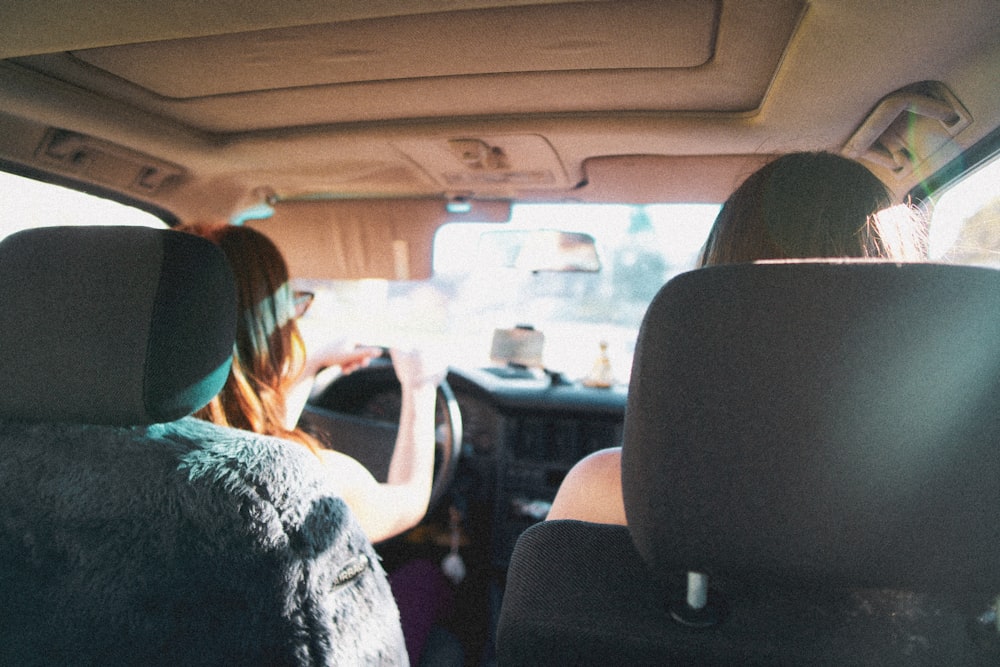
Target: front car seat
point(130, 533)
point(810, 474)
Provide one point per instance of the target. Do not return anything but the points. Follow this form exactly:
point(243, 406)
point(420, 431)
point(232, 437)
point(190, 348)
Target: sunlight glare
point(28, 203)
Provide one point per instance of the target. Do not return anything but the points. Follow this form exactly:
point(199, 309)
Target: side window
point(26, 203)
point(965, 219)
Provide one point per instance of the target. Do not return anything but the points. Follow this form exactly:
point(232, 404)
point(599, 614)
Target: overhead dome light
point(458, 205)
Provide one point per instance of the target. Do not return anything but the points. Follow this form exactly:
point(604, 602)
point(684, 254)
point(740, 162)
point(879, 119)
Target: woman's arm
point(346, 360)
point(386, 510)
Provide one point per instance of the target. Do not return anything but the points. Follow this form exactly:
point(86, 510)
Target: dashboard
point(522, 433)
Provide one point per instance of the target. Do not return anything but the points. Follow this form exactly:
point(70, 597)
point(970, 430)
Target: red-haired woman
point(271, 375)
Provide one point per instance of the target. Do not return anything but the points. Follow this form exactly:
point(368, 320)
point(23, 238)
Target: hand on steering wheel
point(415, 368)
point(343, 411)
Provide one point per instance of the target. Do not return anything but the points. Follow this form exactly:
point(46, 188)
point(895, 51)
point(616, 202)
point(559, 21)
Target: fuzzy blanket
point(181, 544)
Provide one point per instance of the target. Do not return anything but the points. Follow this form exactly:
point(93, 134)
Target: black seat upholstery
point(129, 532)
point(818, 441)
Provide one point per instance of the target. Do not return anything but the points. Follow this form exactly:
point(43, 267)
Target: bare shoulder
point(592, 490)
point(348, 474)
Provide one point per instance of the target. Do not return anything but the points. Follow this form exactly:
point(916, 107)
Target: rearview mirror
point(540, 250)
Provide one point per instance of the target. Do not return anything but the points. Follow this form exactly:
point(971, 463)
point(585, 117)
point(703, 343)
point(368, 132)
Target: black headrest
point(823, 422)
point(112, 325)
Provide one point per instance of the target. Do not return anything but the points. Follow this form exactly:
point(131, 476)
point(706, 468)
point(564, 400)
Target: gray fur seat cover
point(130, 533)
point(181, 544)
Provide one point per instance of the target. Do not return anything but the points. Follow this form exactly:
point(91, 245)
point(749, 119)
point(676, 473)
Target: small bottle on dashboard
point(601, 375)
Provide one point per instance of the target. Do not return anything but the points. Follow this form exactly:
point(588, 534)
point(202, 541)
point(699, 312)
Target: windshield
point(640, 248)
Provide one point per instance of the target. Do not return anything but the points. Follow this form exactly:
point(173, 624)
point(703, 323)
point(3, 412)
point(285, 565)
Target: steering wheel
point(358, 414)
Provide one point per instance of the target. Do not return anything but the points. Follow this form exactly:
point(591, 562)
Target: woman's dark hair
point(805, 205)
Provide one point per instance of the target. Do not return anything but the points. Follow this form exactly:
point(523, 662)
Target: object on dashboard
point(601, 376)
point(520, 346)
point(515, 372)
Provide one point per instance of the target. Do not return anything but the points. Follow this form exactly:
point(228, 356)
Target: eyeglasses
point(302, 302)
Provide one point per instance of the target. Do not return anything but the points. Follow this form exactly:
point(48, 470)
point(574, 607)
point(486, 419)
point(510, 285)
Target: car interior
point(524, 184)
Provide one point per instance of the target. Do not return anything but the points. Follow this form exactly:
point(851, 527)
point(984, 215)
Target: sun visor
point(359, 239)
point(648, 179)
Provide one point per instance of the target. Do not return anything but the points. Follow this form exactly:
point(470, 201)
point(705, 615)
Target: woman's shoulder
point(347, 472)
point(592, 490)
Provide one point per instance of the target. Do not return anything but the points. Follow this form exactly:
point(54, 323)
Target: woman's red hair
point(269, 354)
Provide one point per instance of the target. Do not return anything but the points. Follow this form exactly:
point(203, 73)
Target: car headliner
point(204, 108)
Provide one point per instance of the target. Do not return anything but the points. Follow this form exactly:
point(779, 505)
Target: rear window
point(28, 203)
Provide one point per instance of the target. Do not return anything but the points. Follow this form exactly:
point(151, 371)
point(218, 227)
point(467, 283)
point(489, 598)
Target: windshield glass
point(640, 248)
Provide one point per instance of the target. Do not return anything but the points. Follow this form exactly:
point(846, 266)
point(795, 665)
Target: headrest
point(112, 325)
point(820, 422)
